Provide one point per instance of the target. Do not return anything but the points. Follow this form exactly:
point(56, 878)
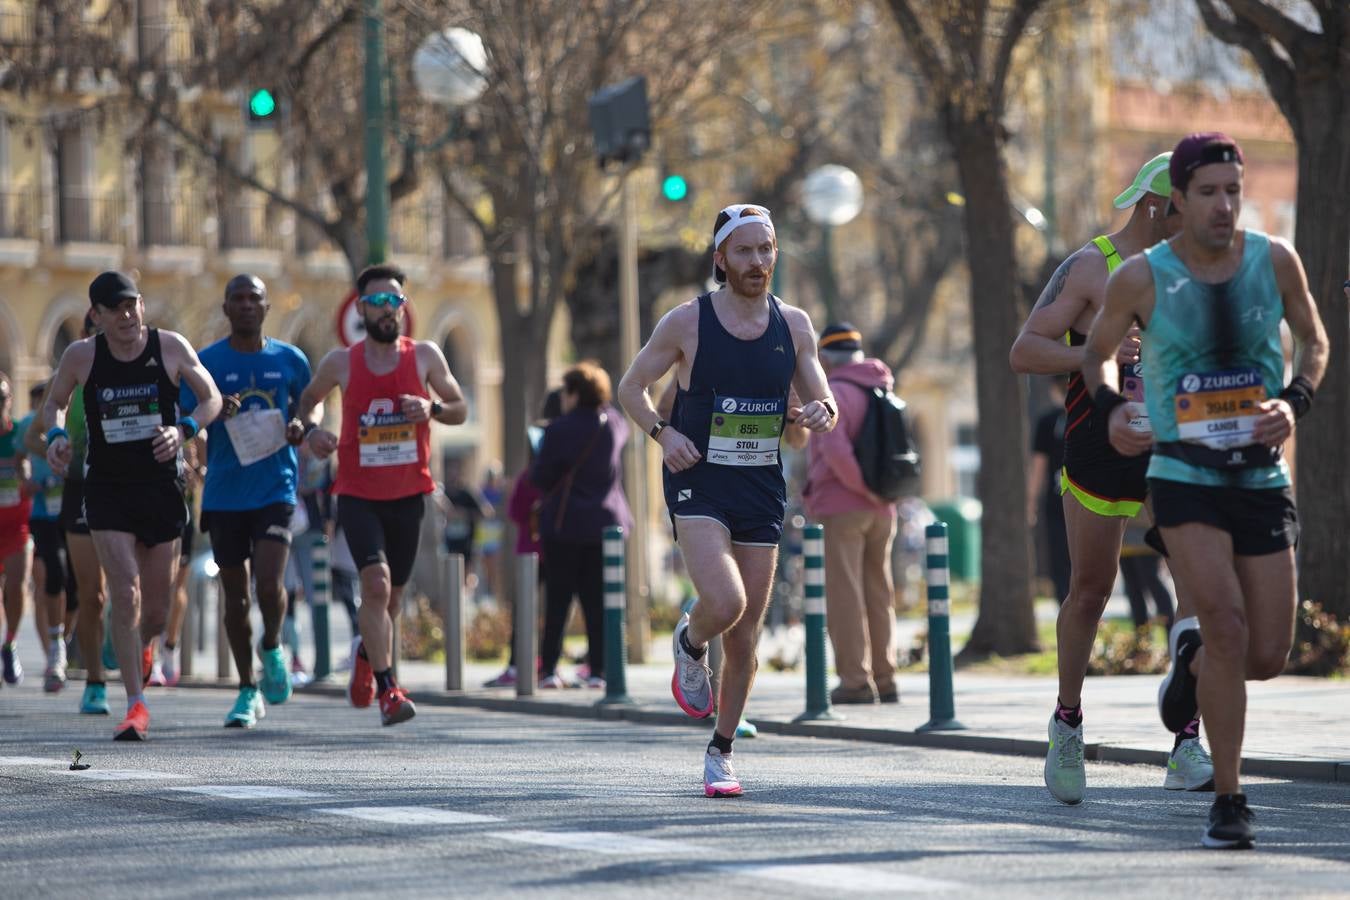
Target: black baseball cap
point(840, 336)
point(111, 288)
point(1201, 149)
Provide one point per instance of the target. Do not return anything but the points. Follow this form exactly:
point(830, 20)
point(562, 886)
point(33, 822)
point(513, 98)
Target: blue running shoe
point(9, 658)
point(109, 651)
point(248, 709)
point(746, 730)
point(276, 674)
point(95, 700)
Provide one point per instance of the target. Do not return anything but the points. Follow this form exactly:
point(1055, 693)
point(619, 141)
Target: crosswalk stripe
point(124, 775)
point(30, 761)
point(409, 815)
point(608, 842)
point(841, 878)
point(249, 792)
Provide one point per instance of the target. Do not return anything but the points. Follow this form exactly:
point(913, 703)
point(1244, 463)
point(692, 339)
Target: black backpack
point(885, 446)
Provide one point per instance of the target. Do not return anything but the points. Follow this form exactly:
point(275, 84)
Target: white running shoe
point(1064, 772)
point(718, 778)
point(55, 677)
point(1189, 768)
point(692, 682)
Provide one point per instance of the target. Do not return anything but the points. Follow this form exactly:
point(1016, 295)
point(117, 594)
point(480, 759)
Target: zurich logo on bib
point(729, 405)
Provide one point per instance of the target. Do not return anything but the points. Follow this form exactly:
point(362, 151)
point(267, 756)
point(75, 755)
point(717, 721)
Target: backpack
point(885, 448)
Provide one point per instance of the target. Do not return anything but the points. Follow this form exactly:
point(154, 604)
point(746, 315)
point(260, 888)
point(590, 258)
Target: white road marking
point(31, 761)
point(841, 878)
point(608, 842)
point(249, 792)
point(409, 815)
point(124, 775)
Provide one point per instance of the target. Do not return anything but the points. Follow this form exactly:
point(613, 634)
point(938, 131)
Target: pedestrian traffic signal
point(262, 107)
point(675, 188)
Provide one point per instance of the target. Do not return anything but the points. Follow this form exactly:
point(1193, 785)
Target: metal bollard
point(941, 702)
point(817, 678)
point(452, 617)
point(318, 607)
point(527, 615)
point(616, 646)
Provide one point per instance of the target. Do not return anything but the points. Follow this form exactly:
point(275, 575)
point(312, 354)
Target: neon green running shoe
point(276, 674)
point(248, 709)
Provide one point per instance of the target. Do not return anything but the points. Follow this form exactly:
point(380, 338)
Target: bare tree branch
point(1239, 32)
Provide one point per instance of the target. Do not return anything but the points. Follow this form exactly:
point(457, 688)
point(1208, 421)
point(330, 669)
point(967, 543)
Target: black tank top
point(124, 402)
point(736, 402)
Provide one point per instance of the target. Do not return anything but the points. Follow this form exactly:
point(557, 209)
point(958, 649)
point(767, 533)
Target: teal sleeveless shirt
point(1212, 353)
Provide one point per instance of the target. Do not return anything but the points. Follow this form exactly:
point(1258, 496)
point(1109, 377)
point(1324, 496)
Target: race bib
point(129, 412)
point(1219, 409)
point(745, 432)
point(9, 483)
point(1132, 388)
point(256, 434)
point(51, 492)
point(387, 439)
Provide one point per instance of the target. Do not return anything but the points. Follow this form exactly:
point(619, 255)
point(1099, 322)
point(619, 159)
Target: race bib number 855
point(745, 431)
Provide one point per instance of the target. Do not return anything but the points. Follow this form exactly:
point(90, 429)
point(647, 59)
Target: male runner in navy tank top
point(1210, 302)
point(1102, 489)
point(739, 353)
point(133, 471)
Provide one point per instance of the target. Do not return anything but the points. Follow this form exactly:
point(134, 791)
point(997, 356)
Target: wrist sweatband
point(309, 426)
point(1299, 395)
point(57, 432)
point(189, 426)
point(1107, 398)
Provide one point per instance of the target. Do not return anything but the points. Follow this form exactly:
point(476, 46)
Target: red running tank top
point(381, 455)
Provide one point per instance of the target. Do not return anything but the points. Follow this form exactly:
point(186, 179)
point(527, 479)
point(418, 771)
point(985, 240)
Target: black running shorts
point(383, 531)
point(49, 545)
point(72, 507)
point(234, 533)
point(155, 513)
point(1260, 521)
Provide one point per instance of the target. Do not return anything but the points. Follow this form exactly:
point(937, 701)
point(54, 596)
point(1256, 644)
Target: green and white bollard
point(616, 645)
point(817, 678)
point(941, 700)
point(318, 607)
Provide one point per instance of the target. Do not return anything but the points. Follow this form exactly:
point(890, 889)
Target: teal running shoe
point(95, 700)
point(276, 674)
point(746, 729)
point(248, 709)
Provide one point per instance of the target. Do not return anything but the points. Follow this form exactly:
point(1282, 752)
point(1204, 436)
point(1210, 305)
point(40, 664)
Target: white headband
point(736, 221)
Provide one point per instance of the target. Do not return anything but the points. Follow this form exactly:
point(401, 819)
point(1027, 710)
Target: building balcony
point(20, 215)
point(92, 219)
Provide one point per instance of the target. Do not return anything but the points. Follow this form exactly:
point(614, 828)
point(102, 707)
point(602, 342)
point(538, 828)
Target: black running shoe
point(1230, 824)
point(1176, 695)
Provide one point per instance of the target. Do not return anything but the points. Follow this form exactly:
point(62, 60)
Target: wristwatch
point(436, 408)
point(661, 425)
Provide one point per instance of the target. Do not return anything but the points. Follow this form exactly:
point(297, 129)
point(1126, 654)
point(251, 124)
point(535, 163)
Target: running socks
point(1069, 715)
point(1192, 730)
point(721, 744)
point(689, 648)
point(384, 681)
point(133, 699)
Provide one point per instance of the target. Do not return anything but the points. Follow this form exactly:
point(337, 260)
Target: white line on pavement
point(843, 878)
point(409, 815)
point(600, 842)
point(249, 792)
point(124, 775)
point(30, 761)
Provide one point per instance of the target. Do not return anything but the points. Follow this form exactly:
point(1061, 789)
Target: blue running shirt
point(270, 379)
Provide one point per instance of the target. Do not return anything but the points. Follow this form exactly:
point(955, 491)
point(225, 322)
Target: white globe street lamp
point(832, 195)
point(449, 67)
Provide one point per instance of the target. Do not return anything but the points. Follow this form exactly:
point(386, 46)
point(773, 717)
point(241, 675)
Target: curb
point(1328, 770)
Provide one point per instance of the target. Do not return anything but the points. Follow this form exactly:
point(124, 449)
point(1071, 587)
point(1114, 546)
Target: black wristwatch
point(661, 425)
point(436, 408)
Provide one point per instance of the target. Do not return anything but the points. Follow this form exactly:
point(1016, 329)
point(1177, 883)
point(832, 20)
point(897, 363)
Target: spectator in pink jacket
point(859, 529)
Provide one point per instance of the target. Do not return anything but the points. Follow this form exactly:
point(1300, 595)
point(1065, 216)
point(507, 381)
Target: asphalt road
point(320, 800)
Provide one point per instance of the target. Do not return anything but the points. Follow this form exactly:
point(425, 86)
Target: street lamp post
point(832, 196)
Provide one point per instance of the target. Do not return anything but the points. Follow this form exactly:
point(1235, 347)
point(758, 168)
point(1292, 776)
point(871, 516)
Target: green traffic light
point(674, 188)
point(262, 104)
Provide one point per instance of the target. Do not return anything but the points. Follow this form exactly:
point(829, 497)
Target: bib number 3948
point(745, 431)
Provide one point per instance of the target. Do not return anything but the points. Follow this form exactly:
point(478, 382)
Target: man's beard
point(383, 330)
point(741, 284)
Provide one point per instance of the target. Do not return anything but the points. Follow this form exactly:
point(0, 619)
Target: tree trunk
point(1322, 235)
point(1006, 624)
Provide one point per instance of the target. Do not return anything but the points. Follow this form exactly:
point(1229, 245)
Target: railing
point(19, 214)
point(94, 219)
point(413, 229)
point(243, 221)
point(460, 238)
point(171, 222)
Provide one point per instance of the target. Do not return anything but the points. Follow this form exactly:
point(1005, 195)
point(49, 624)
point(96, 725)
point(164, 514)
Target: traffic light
point(262, 107)
point(675, 188)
